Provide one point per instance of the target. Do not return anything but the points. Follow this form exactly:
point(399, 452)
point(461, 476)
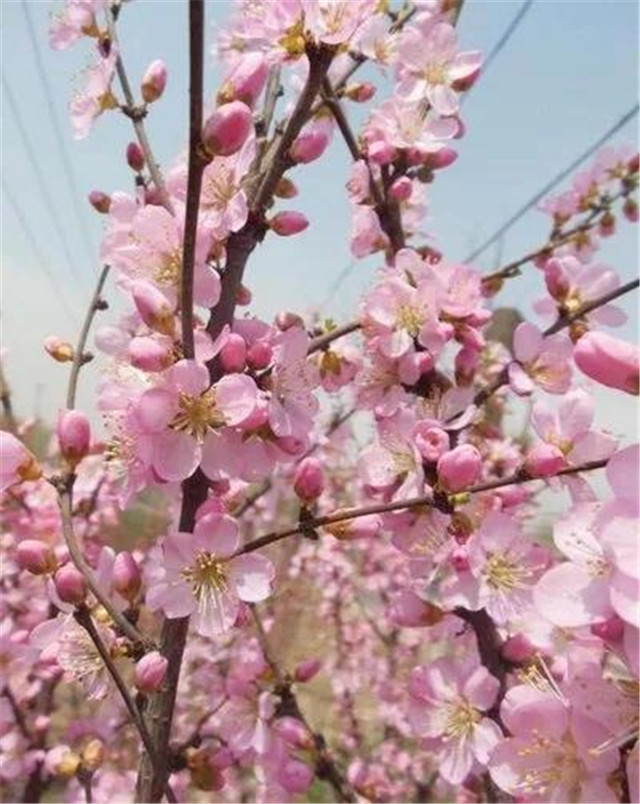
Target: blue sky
point(568, 73)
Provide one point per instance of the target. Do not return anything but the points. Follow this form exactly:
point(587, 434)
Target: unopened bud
point(243, 296)
point(151, 354)
point(246, 80)
point(259, 355)
point(401, 189)
point(361, 92)
point(154, 81)
point(459, 468)
point(307, 670)
point(36, 557)
point(285, 189)
point(607, 224)
point(151, 672)
point(74, 436)
point(518, 649)
point(233, 355)
point(135, 157)
point(58, 349)
point(127, 578)
point(309, 145)
point(155, 309)
point(308, 480)
point(93, 755)
point(288, 223)
point(363, 527)
point(227, 129)
point(544, 460)
point(100, 201)
point(630, 210)
point(70, 585)
point(285, 320)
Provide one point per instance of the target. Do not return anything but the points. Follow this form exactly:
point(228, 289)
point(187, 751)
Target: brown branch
point(197, 164)
point(588, 307)
point(80, 357)
point(322, 341)
point(430, 500)
point(18, 714)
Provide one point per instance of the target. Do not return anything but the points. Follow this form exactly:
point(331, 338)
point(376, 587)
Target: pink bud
point(285, 188)
point(544, 460)
point(259, 355)
point(293, 732)
point(154, 81)
point(361, 92)
point(607, 225)
point(309, 145)
point(74, 435)
point(306, 670)
point(58, 349)
point(151, 354)
point(227, 129)
point(153, 196)
point(17, 463)
point(135, 157)
point(364, 527)
point(70, 585)
point(36, 557)
point(154, 307)
point(630, 210)
point(518, 649)
point(459, 468)
point(100, 201)
point(246, 79)
point(295, 776)
point(380, 153)
point(431, 441)
point(609, 361)
point(308, 480)
point(233, 355)
point(288, 223)
point(243, 296)
point(151, 672)
point(610, 630)
point(442, 158)
point(286, 319)
point(127, 578)
point(556, 279)
point(466, 363)
point(401, 188)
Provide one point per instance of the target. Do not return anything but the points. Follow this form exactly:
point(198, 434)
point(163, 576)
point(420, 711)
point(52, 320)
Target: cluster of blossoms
point(417, 634)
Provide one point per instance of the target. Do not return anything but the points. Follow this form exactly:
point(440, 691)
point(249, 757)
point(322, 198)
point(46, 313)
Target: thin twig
point(400, 505)
point(10, 422)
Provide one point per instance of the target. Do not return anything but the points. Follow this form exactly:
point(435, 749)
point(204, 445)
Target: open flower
point(539, 361)
point(200, 576)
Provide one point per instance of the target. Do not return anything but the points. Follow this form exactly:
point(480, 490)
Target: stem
point(7, 408)
point(415, 502)
point(566, 320)
point(18, 714)
point(136, 114)
point(83, 617)
point(197, 164)
point(79, 356)
point(322, 341)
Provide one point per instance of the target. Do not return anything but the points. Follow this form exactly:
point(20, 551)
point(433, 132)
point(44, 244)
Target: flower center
point(435, 73)
point(503, 574)
point(170, 269)
point(197, 414)
point(410, 319)
point(219, 189)
point(562, 766)
point(207, 576)
point(461, 721)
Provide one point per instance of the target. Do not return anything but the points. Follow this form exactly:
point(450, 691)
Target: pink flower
point(609, 361)
point(200, 576)
point(245, 722)
point(17, 464)
point(539, 360)
point(336, 21)
point(245, 80)
point(223, 202)
point(459, 468)
point(96, 96)
point(429, 63)
point(447, 704)
point(75, 21)
point(367, 235)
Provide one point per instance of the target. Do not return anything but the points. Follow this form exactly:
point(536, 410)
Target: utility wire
point(42, 181)
point(41, 260)
point(552, 183)
point(510, 30)
point(62, 148)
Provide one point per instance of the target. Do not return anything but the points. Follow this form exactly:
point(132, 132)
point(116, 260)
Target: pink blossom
point(16, 462)
point(96, 96)
point(200, 576)
point(609, 361)
point(78, 19)
point(540, 361)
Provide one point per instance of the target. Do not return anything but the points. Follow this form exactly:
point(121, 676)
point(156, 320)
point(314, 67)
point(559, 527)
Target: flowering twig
point(431, 500)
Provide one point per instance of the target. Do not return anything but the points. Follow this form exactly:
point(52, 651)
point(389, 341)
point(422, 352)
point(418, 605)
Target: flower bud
point(155, 309)
point(100, 201)
point(442, 158)
point(58, 349)
point(309, 145)
point(17, 463)
point(609, 361)
point(431, 441)
point(556, 279)
point(288, 223)
point(306, 670)
point(151, 354)
point(607, 225)
point(259, 355)
point(380, 153)
point(135, 157)
point(308, 480)
point(74, 436)
point(233, 355)
point(153, 196)
point(70, 585)
point(630, 210)
point(518, 649)
point(93, 755)
point(459, 468)
point(401, 189)
point(543, 460)
point(360, 92)
point(363, 527)
point(295, 776)
point(227, 129)
point(151, 672)
point(293, 731)
point(127, 578)
point(243, 296)
point(285, 189)
point(286, 320)
point(36, 557)
point(246, 80)
point(154, 81)
point(466, 363)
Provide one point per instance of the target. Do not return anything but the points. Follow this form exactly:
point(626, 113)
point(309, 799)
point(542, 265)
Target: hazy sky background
point(565, 77)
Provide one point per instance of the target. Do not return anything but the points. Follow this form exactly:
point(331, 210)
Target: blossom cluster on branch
point(302, 561)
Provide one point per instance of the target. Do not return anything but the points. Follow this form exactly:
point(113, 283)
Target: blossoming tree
point(338, 590)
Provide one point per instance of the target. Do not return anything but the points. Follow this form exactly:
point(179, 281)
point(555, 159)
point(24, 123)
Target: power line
point(41, 260)
point(510, 30)
point(42, 181)
point(552, 183)
point(64, 155)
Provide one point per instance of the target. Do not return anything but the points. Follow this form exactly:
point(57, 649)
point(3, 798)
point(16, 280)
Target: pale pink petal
point(252, 575)
point(527, 342)
point(175, 455)
point(481, 689)
point(570, 596)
